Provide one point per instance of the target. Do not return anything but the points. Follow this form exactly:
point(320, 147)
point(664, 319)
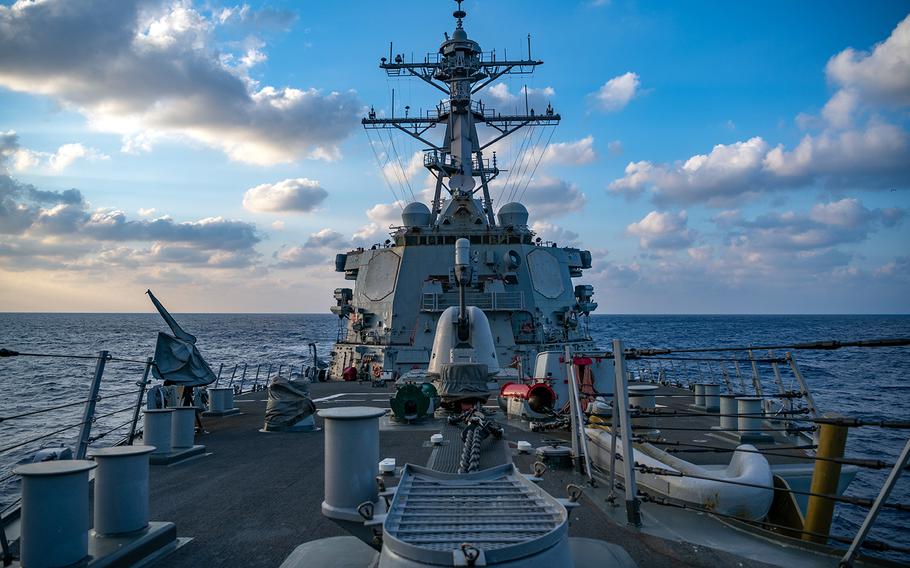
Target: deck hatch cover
point(496, 510)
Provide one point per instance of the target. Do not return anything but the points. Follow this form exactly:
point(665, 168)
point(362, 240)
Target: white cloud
point(548, 197)
point(146, 212)
point(826, 225)
point(881, 76)
point(278, 225)
point(663, 230)
point(69, 153)
point(845, 153)
point(729, 169)
point(297, 195)
point(149, 71)
point(615, 147)
point(570, 153)
point(877, 156)
point(616, 93)
point(555, 233)
point(505, 101)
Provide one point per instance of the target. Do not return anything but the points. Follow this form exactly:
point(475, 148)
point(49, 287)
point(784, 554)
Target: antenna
point(461, 69)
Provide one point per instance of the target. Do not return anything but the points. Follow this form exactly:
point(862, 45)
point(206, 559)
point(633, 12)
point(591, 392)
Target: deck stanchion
point(220, 367)
point(142, 385)
point(242, 379)
point(863, 531)
point(832, 440)
point(256, 380)
point(739, 375)
point(579, 438)
point(88, 417)
point(621, 401)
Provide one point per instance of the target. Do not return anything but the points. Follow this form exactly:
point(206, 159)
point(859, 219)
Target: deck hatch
point(497, 510)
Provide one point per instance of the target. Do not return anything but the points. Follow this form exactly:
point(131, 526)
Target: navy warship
point(466, 419)
point(401, 287)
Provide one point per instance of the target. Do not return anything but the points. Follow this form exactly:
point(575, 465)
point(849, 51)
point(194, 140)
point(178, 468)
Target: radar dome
point(415, 214)
point(513, 214)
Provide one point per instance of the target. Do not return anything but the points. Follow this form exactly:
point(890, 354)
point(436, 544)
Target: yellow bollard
point(825, 479)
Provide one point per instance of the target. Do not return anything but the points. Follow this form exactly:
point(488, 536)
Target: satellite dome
point(513, 214)
point(415, 214)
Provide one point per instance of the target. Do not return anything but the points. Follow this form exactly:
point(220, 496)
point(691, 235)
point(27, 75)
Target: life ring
point(377, 370)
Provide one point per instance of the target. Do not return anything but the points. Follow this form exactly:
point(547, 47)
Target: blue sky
point(715, 157)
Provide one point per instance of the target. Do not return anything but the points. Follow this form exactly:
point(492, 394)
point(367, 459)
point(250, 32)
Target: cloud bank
point(149, 70)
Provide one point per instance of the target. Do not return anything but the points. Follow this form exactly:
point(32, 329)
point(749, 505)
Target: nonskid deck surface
point(255, 496)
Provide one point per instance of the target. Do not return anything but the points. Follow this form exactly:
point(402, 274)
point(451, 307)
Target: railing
point(505, 301)
point(106, 416)
point(687, 367)
point(248, 377)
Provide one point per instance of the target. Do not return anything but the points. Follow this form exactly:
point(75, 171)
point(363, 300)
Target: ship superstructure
point(401, 287)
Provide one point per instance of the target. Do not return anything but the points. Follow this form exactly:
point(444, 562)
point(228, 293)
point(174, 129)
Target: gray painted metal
point(893, 476)
point(54, 529)
point(621, 402)
point(157, 431)
point(183, 425)
point(351, 458)
point(121, 498)
point(142, 384)
point(728, 409)
point(88, 416)
point(221, 399)
point(438, 518)
point(524, 286)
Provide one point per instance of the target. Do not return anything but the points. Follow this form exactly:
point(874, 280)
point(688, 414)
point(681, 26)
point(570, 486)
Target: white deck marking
point(342, 394)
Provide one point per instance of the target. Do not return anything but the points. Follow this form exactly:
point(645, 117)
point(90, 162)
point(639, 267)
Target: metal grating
point(435, 513)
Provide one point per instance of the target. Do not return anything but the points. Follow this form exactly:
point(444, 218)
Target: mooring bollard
point(54, 512)
point(642, 396)
point(157, 431)
point(699, 394)
point(750, 414)
point(121, 489)
point(183, 427)
point(712, 398)
point(221, 399)
point(728, 411)
point(351, 455)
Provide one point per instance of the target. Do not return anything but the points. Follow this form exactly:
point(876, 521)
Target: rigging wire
point(518, 156)
point(539, 158)
point(532, 151)
point(523, 150)
point(404, 174)
point(381, 167)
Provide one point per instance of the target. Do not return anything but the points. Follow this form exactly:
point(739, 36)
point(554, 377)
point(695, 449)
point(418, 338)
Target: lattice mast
point(460, 69)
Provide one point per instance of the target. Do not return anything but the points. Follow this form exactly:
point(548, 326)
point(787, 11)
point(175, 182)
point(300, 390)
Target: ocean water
point(868, 383)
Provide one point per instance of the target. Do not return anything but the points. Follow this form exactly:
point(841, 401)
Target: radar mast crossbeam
point(461, 69)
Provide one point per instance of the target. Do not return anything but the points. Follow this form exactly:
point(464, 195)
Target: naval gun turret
point(463, 358)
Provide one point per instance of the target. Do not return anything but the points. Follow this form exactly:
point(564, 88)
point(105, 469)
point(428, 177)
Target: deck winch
point(413, 402)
